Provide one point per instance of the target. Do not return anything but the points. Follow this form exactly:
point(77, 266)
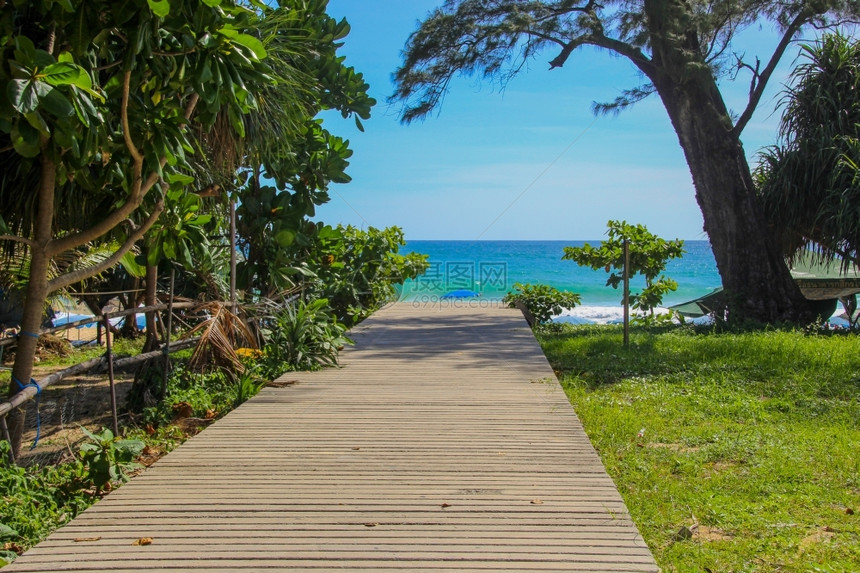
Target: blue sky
point(527, 162)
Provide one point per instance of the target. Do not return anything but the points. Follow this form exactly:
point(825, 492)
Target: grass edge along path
point(734, 452)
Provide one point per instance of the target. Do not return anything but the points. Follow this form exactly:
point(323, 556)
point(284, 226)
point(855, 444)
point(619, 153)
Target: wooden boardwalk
point(443, 444)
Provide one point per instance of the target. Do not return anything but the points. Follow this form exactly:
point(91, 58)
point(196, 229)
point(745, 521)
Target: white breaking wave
point(596, 314)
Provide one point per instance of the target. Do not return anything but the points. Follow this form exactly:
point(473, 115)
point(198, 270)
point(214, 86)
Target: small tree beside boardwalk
point(628, 251)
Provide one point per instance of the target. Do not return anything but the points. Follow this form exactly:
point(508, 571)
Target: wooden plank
point(444, 442)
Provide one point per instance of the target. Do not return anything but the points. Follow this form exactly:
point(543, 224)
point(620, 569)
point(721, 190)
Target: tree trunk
point(128, 301)
point(756, 280)
point(37, 293)
point(150, 300)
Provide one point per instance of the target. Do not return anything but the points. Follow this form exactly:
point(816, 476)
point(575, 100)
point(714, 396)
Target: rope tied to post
point(32, 384)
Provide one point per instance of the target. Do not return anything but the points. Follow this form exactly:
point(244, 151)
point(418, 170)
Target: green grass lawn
point(733, 452)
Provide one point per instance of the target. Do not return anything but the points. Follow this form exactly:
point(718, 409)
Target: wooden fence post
point(7, 437)
point(109, 353)
point(167, 334)
point(626, 274)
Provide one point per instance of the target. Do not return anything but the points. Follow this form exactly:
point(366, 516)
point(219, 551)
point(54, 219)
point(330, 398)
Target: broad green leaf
point(43, 59)
point(24, 47)
point(212, 3)
point(83, 106)
point(130, 447)
point(7, 532)
point(204, 73)
point(78, 34)
point(330, 233)
point(63, 73)
point(285, 237)
point(154, 254)
point(185, 255)
point(236, 121)
point(85, 83)
point(169, 249)
point(246, 40)
point(160, 8)
point(22, 95)
point(180, 179)
point(25, 139)
point(130, 263)
point(90, 435)
point(56, 103)
point(38, 122)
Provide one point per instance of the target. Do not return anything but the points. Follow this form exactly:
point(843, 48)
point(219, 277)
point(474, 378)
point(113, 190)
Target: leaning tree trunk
point(755, 278)
point(34, 304)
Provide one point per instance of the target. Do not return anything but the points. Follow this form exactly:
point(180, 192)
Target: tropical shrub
point(359, 271)
point(807, 183)
point(108, 459)
point(302, 336)
point(201, 395)
point(542, 301)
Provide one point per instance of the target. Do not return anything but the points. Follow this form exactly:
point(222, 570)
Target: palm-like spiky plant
point(809, 184)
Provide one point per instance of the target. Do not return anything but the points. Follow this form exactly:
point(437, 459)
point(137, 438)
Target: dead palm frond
point(220, 335)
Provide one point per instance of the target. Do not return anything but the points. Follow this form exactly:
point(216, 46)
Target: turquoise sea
point(491, 268)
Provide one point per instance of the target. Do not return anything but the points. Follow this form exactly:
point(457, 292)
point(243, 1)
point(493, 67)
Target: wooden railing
point(107, 360)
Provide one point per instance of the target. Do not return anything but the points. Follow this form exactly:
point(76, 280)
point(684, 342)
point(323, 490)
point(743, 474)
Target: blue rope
point(30, 334)
point(33, 384)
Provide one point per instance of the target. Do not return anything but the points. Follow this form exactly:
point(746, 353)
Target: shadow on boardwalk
point(443, 443)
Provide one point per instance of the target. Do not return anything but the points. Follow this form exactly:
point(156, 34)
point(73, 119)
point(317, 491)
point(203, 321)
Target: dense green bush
point(204, 394)
point(542, 301)
point(359, 271)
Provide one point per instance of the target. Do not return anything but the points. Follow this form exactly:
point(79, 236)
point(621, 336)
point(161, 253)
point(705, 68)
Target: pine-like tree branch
point(767, 72)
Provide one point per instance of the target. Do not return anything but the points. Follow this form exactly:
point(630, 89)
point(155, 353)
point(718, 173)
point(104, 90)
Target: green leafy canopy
point(648, 255)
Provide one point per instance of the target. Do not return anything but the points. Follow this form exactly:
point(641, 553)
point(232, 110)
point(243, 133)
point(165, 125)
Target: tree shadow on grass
point(768, 361)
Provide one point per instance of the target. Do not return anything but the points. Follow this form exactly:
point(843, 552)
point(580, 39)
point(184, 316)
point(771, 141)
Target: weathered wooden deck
point(444, 443)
